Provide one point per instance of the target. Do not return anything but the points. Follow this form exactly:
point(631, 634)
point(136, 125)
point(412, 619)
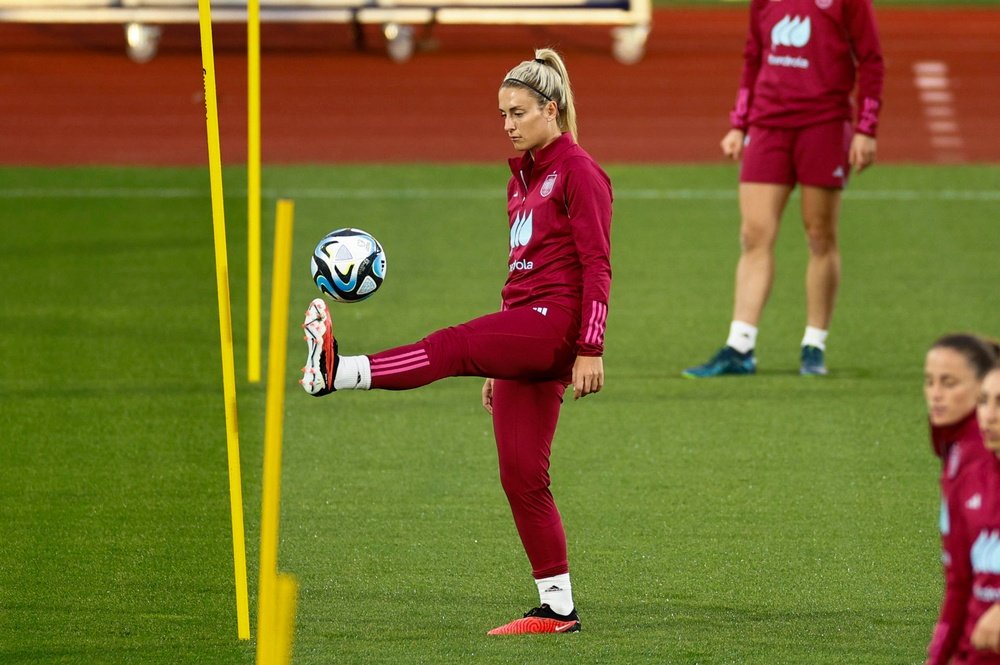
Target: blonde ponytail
point(546, 77)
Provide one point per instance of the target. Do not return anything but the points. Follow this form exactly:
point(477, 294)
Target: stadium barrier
point(631, 20)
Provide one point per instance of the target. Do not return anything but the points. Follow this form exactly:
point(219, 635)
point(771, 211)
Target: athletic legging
point(529, 352)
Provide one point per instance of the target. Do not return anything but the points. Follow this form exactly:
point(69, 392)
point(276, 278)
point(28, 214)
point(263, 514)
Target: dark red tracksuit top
point(970, 532)
point(801, 61)
point(559, 208)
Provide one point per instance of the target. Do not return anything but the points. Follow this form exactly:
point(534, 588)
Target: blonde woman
point(548, 335)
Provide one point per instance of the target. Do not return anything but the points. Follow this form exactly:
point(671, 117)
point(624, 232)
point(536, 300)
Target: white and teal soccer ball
point(348, 265)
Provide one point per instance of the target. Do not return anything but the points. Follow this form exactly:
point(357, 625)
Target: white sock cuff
point(815, 337)
point(742, 336)
point(556, 592)
point(353, 373)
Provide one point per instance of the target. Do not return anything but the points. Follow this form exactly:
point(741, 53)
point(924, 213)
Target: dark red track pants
point(529, 351)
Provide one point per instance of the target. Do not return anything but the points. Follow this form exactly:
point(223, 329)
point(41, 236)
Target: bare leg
point(820, 214)
point(761, 206)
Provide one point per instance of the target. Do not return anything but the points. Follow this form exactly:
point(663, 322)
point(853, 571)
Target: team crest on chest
point(550, 182)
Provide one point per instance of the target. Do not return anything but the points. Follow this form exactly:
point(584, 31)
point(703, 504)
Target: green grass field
point(769, 520)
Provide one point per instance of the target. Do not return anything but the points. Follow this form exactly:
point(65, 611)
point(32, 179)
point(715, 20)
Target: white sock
point(353, 373)
point(742, 336)
point(815, 337)
point(556, 592)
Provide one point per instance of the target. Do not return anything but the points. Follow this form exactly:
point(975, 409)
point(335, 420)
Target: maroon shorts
point(816, 155)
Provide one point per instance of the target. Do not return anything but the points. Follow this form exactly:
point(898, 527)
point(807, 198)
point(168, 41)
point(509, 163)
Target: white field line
point(368, 193)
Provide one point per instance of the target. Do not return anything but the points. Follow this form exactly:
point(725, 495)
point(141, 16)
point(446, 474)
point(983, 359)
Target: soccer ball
point(348, 265)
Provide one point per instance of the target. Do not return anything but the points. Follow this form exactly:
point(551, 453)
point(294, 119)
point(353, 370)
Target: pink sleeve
point(957, 587)
point(588, 202)
point(740, 115)
point(871, 69)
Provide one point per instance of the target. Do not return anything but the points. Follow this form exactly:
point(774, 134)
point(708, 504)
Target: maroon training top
point(971, 535)
point(800, 64)
point(559, 205)
point(969, 470)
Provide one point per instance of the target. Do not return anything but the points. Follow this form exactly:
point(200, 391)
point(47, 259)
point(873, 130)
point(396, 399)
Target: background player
point(953, 370)
point(792, 124)
point(953, 374)
point(986, 633)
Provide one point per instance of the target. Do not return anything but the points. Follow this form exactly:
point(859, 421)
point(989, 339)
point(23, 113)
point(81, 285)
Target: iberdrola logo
point(520, 230)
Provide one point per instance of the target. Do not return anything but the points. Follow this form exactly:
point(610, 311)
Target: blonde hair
point(547, 79)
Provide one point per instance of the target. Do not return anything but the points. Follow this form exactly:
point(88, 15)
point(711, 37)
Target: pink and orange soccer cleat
point(321, 360)
point(540, 620)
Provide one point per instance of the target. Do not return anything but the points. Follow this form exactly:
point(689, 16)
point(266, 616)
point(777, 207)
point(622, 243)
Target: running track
point(68, 94)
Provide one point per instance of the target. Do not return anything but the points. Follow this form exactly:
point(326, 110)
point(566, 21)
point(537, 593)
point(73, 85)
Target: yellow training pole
point(288, 592)
point(269, 634)
point(225, 320)
point(253, 191)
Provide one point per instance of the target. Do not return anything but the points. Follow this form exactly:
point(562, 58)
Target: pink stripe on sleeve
point(597, 323)
point(868, 117)
point(738, 116)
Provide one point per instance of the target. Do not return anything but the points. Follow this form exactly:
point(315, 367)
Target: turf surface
point(772, 520)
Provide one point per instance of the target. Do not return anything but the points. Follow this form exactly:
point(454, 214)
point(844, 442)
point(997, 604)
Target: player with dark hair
point(953, 369)
point(792, 124)
point(968, 632)
point(953, 373)
point(549, 334)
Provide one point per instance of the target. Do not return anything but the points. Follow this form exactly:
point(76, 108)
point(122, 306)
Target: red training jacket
point(800, 63)
point(970, 525)
point(559, 205)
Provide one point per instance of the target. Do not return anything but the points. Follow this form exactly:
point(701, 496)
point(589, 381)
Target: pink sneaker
point(540, 620)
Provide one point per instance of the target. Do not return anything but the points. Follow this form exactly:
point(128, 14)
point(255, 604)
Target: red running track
point(68, 94)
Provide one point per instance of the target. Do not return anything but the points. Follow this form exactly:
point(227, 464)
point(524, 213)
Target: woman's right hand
point(732, 144)
point(488, 396)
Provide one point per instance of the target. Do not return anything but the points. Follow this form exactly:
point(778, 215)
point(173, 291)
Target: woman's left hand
point(986, 634)
point(588, 375)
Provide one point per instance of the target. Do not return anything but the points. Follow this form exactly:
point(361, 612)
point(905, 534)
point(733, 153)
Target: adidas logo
point(975, 502)
point(552, 588)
